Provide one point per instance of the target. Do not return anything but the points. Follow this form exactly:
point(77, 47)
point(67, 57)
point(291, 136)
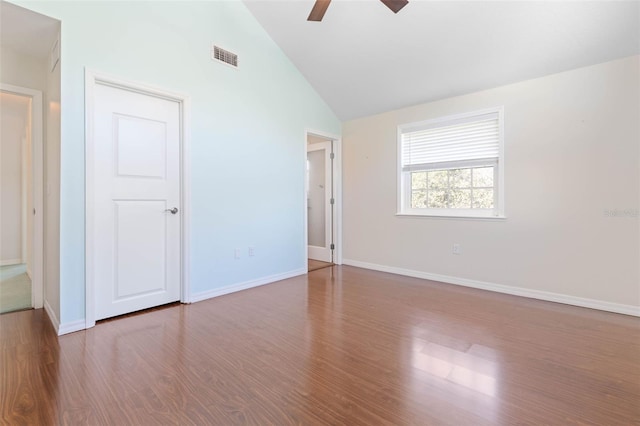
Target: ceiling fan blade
point(318, 10)
point(395, 5)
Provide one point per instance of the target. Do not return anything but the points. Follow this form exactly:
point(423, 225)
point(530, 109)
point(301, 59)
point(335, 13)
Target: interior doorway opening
point(30, 55)
point(321, 201)
point(21, 188)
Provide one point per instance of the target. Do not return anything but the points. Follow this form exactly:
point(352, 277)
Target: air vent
point(225, 56)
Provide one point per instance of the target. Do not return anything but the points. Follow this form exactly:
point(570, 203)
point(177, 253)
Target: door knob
point(173, 210)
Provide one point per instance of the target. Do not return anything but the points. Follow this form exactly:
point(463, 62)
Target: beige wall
point(52, 189)
point(316, 199)
point(316, 196)
point(27, 204)
point(13, 133)
point(572, 154)
point(26, 71)
point(22, 70)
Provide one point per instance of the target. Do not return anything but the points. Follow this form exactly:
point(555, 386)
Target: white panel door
point(136, 200)
point(319, 208)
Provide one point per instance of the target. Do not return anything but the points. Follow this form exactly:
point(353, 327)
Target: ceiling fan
point(320, 7)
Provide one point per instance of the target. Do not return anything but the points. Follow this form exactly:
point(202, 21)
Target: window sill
point(452, 216)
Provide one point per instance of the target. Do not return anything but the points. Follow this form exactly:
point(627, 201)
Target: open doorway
point(30, 106)
point(21, 189)
point(322, 201)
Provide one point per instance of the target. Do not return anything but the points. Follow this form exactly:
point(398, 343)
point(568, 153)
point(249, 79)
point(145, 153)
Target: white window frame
point(404, 177)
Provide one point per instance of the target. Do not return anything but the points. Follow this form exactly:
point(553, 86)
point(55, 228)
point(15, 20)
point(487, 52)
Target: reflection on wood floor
point(314, 265)
point(341, 346)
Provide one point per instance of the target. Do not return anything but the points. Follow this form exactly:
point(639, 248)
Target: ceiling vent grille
point(225, 56)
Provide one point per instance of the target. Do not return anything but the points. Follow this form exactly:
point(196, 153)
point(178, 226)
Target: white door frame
point(37, 285)
point(337, 194)
point(93, 78)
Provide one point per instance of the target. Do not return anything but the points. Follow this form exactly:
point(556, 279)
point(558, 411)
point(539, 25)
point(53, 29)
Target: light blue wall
point(247, 131)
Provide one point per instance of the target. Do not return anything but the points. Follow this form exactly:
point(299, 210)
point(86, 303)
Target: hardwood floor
point(314, 265)
point(340, 346)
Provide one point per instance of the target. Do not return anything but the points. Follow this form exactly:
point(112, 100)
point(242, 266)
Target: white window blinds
point(469, 138)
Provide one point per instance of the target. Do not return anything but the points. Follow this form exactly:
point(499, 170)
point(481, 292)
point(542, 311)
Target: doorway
point(322, 201)
point(134, 194)
point(21, 212)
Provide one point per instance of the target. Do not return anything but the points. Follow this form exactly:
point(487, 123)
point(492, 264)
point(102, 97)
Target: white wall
point(572, 156)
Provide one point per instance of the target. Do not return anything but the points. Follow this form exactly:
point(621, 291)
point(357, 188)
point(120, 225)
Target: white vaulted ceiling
point(362, 59)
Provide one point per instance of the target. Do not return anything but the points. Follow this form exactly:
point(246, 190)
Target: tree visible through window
point(453, 188)
point(451, 166)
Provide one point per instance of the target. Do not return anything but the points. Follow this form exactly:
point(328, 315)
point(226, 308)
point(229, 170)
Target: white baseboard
point(8, 262)
point(245, 285)
point(52, 316)
point(65, 328)
point(70, 327)
point(500, 288)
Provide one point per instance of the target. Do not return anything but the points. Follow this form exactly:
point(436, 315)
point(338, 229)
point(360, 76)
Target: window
point(452, 166)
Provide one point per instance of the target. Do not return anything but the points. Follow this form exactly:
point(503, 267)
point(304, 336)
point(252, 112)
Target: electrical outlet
point(457, 249)
point(237, 253)
point(252, 251)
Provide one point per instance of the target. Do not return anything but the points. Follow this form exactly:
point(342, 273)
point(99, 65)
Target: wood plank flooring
point(314, 265)
point(341, 346)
